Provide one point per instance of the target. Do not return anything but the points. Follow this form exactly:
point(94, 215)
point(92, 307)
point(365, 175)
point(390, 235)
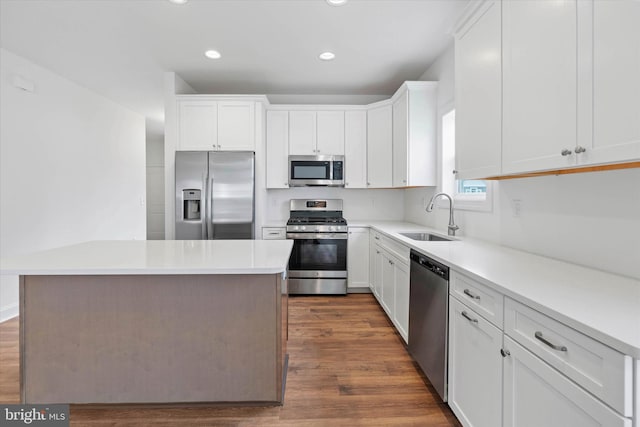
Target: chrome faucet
point(451, 227)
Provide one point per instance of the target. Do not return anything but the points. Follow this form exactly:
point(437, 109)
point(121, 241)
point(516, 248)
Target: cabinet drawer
point(484, 300)
point(274, 233)
point(604, 372)
point(399, 250)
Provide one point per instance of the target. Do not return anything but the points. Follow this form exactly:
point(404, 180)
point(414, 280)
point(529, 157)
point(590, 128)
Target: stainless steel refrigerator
point(214, 195)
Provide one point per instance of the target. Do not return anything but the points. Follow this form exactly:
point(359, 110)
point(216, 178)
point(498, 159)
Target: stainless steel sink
point(426, 237)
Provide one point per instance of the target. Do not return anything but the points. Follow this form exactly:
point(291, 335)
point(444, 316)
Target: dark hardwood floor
point(347, 367)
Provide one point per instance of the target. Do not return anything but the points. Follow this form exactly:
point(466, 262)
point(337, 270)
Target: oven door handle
point(318, 236)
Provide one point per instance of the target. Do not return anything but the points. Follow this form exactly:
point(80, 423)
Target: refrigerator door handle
point(210, 216)
point(204, 217)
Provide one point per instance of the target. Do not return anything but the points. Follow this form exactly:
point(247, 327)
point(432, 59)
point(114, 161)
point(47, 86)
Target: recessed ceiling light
point(178, 1)
point(336, 2)
point(213, 54)
point(327, 56)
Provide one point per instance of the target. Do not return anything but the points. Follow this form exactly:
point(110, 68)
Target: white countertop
point(156, 257)
point(602, 305)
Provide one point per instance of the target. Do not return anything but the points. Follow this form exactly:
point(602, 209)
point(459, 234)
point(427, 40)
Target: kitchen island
point(153, 322)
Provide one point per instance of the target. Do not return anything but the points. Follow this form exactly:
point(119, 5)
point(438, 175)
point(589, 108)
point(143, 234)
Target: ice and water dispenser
point(191, 205)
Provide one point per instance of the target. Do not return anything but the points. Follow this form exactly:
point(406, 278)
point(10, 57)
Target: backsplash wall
point(358, 204)
point(592, 219)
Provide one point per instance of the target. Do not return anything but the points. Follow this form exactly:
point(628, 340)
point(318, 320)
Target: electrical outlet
point(516, 206)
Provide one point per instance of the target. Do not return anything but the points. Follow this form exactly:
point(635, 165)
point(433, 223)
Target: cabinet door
point(475, 367)
point(539, 83)
point(478, 87)
point(197, 125)
point(302, 133)
point(330, 132)
point(236, 125)
point(377, 272)
point(536, 395)
point(401, 299)
point(400, 140)
point(277, 149)
point(358, 258)
point(388, 284)
point(379, 147)
point(355, 149)
point(616, 83)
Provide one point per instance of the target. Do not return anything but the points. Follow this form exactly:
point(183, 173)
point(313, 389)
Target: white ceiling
point(120, 48)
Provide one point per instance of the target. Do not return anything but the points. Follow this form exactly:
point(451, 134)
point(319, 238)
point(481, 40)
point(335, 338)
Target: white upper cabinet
point(616, 82)
point(207, 124)
point(540, 84)
point(197, 125)
point(236, 125)
point(355, 149)
point(400, 138)
point(379, 147)
point(414, 135)
point(560, 79)
point(277, 155)
point(330, 130)
point(316, 133)
point(478, 93)
point(302, 132)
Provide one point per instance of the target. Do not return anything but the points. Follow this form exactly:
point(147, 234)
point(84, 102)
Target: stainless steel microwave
point(320, 171)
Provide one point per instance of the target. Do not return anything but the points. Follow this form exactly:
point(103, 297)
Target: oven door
point(319, 255)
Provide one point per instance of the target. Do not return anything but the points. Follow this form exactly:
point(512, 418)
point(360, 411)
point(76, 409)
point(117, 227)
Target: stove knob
point(303, 228)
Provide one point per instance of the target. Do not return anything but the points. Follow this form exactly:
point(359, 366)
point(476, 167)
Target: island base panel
point(151, 339)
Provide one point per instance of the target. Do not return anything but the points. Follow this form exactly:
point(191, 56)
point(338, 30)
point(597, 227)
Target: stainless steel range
point(318, 263)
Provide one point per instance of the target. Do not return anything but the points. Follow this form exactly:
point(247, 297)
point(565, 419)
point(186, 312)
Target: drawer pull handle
point(550, 344)
point(469, 318)
point(472, 295)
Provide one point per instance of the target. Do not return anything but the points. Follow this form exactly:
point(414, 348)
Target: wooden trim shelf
point(616, 166)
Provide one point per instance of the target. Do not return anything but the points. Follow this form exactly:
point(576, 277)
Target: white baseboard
point(9, 312)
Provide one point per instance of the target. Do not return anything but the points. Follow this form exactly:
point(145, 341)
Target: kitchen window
point(468, 194)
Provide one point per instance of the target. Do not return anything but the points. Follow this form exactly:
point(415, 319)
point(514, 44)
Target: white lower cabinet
point(389, 280)
point(475, 367)
point(388, 284)
point(358, 258)
point(401, 299)
point(536, 395)
point(534, 372)
point(377, 263)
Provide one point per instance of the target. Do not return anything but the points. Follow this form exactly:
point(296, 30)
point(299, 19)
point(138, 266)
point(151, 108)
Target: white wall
point(155, 185)
point(173, 85)
point(591, 219)
point(72, 167)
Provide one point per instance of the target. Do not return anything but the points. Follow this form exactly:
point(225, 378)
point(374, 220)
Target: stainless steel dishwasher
point(428, 319)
